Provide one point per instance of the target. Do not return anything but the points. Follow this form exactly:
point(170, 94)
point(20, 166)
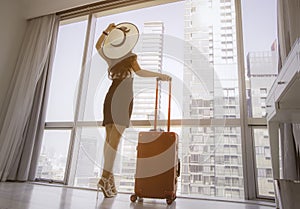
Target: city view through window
point(195, 42)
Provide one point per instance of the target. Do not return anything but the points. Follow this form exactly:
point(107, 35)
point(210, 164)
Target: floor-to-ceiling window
point(212, 156)
point(261, 52)
point(61, 105)
point(195, 42)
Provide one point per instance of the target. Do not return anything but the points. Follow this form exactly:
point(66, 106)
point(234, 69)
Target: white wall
point(13, 25)
point(36, 8)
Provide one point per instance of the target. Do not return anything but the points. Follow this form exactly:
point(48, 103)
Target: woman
point(115, 47)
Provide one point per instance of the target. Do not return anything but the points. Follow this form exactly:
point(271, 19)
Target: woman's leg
point(108, 129)
point(112, 140)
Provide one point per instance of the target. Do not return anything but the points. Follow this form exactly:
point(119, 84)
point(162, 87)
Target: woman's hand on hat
point(164, 77)
point(111, 26)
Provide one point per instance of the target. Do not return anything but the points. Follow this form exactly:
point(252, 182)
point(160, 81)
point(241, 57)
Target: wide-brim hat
point(120, 40)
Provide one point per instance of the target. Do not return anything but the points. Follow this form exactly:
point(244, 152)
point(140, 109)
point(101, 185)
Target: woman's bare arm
point(102, 37)
point(146, 73)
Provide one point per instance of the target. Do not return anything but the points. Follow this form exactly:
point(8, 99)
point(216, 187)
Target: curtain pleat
point(21, 127)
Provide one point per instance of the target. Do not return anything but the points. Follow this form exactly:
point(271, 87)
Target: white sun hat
point(120, 41)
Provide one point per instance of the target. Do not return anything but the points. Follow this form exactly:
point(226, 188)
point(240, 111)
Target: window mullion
point(79, 106)
point(247, 142)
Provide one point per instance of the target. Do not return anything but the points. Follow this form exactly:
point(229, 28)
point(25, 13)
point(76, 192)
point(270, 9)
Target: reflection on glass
point(53, 158)
point(263, 162)
point(66, 71)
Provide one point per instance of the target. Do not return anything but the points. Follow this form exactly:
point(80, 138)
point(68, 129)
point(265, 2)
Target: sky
point(169, 14)
point(259, 24)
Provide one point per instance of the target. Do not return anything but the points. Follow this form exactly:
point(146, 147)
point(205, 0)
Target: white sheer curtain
point(21, 131)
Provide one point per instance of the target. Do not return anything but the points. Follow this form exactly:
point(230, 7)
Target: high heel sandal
point(105, 186)
point(113, 186)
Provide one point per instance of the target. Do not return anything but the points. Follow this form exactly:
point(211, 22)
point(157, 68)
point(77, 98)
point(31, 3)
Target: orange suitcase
point(157, 166)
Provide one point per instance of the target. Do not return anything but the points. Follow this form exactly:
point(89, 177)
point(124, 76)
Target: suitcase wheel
point(169, 201)
point(133, 198)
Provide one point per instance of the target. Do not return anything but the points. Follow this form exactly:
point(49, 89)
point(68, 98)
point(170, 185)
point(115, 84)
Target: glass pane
point(89, 156)
point(212, 157)
point(54, 153)
point(210, 57)
point(260, 47)
point(66, 71)
point(212, 162)
point(264, 171)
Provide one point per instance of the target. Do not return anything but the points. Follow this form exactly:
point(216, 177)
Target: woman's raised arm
point(104, 33)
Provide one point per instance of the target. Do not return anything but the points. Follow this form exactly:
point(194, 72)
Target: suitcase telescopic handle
point(156, 104)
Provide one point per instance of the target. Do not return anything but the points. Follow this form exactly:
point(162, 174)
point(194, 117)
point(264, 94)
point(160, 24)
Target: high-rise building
point(212, 157)
point(261, 72)
point(150, 58)
point(150, 55)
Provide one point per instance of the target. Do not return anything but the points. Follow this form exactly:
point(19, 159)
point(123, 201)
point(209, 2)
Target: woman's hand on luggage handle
point(164, 77)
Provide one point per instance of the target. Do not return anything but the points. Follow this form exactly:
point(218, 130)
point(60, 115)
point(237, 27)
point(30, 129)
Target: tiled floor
point(34, 196)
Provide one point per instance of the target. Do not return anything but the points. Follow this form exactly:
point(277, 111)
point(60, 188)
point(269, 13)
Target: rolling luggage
point(158, 166)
